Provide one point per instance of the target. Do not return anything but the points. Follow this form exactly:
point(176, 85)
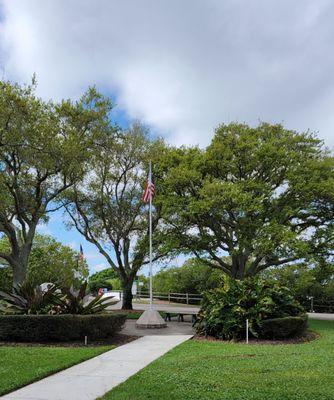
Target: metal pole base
point(151, 319)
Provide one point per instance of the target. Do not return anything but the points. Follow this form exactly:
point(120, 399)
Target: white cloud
point(73, 245)
point(182, 67)
point(92, 255)
point(98, 267)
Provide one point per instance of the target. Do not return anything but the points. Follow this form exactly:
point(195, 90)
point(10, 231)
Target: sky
point(182, 67)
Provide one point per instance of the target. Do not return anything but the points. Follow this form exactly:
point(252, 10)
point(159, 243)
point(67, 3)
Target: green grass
point(133, 315)
point(136, 315)
point(20, 365)
point(226, 371)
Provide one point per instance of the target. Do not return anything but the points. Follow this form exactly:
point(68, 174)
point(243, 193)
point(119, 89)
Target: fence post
point(312, 310)
point(187, 297)
point(168, 297)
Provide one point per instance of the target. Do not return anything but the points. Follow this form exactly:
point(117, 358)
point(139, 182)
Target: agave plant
point(28, 299)
point(77, 302)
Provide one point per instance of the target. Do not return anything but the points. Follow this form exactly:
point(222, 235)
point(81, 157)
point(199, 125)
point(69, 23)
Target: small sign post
point(247, 331)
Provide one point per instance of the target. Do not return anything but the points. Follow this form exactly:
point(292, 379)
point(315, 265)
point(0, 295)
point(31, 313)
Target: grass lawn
point(20, 365)
point(213, 370)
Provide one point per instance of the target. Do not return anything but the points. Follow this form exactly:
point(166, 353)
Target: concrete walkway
point(322, 316)
point(94, 377)
point(173, 328)
point(172, 308)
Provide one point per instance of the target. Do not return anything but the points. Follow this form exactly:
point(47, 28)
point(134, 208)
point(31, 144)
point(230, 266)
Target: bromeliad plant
point(224, 310)
point(77, 302)
point(28, 299)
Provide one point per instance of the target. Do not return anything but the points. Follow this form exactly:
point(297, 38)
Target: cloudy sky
point(181, 66)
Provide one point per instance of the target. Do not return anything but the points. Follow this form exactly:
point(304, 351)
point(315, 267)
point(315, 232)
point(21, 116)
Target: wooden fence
point(185, 298)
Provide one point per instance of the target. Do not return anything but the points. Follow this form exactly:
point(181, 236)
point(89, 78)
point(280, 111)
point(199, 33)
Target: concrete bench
point(180, 315)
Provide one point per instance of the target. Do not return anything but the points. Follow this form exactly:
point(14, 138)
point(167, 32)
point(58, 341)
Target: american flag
point(81, 254)
point(149, 189)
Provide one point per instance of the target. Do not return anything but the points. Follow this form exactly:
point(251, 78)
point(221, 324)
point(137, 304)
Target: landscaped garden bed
point(307, 336)
point(267, 308)
point(116, 340)
point(45, 331)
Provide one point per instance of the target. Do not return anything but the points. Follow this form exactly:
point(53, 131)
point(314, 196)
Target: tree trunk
point(238, 267)
point(127, 294)
point(19, 273)
point(19, 264)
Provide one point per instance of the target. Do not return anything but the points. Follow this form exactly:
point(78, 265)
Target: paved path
point(173, 328)
point(172, 308)
point(94, 377)
point(323, 316)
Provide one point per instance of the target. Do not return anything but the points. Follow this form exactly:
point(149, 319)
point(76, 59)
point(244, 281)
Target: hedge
point(224, 310)
point(62, 328)
point(281, 328)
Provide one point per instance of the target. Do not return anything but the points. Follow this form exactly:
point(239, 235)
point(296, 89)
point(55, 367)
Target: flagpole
point(150, 318)
point(150, 234)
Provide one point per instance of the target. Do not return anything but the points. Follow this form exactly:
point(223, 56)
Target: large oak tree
point(44, 147)
point(264, 196)
point(106, 207)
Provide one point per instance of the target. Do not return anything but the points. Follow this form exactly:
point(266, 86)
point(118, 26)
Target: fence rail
point(312, 304)
point(187, 298)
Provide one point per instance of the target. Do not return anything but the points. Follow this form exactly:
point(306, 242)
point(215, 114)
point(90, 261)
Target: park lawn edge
point(126, 388)
point(104, 349)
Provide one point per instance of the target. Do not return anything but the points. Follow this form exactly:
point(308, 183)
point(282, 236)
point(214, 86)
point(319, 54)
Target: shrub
point(192, 277)
point(73, 301)
point(27, 299)
point(281, 328)
point(6, 279)
point(224, 310)
point(102, 279)
point(62, 328)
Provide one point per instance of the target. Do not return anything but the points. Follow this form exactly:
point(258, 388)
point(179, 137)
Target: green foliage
point(224, 310)
point(44, 328)
point(6, 279)
point(50, 261)
point(192, 277)
point(264, 195)
point(107, 209)
point(143, 282)
point(73, 301)
point(115, 284)
point(282, 328)
point(27, 299)
point(102, 279)
point(305, 280)
point(44, 148)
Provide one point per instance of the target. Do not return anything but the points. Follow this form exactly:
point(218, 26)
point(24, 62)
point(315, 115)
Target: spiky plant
point(77, 302)
point(27, 299)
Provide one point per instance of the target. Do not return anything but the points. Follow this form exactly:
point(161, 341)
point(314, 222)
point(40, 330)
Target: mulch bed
point(116, 340)
point(307, 337)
